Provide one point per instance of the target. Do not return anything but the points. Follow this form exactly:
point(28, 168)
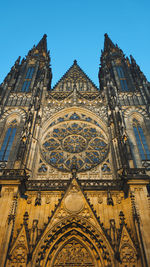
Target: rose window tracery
point(74, 144)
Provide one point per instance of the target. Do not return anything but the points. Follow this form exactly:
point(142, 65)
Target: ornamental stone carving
point(73, 254)
point(74, 202)
point(74, 144)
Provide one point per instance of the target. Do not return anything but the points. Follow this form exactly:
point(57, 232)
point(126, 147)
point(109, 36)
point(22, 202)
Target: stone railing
point(12, 174)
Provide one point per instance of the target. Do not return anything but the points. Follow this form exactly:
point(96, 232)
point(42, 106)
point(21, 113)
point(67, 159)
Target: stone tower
point(74, 164)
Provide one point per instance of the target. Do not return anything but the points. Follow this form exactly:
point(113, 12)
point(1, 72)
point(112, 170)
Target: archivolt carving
point(80, 228)
point(131, 111)
point(66, 113)
point(13, 113)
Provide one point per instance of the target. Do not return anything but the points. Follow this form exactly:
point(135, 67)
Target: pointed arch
point(72, 250)
point(94, 241)
point(73, 110)
point(136, 125)
point(137, 112)
point(14, 113)
point(27, 79)
point(122, 78)
point(12, 122)
point(8, 140)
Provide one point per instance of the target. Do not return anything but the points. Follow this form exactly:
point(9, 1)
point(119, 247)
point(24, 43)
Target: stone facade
point(74, 164)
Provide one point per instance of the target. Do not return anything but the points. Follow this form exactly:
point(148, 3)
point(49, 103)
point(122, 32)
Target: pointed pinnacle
point(132, 59)
point(18, 60)
point(108, 44)
point(42, 45)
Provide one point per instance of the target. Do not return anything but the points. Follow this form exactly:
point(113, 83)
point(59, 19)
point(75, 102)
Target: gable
point(128, 252)
point(75, 77)
point(73, 220)
point(19, 250)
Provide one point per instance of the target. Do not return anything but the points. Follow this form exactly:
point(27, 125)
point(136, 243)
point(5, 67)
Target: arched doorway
point(73, 242)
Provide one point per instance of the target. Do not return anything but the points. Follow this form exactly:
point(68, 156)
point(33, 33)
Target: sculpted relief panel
point(73, 254)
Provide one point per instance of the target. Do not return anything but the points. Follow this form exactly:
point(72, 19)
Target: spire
point(108, 44)
point(40, 49)
point(42, 45)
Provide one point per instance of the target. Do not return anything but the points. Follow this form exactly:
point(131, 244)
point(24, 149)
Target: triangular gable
point(127, 249)
point(125, 237)
point(73, 209)
point(74, 203)
point(73, 215)
point(20, 248)
point(75, 76)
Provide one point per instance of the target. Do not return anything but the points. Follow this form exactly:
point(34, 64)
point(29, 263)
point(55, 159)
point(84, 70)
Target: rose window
point(74, 144)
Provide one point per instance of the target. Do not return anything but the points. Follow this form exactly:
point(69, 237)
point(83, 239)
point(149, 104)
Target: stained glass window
point(7, 143)
point(74, 144)
point(27, 80)
point(120, 72)
point(122, 78)
point(141, 141)
point(75, 116)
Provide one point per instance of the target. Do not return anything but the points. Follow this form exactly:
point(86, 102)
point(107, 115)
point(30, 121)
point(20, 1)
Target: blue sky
point(75, 30)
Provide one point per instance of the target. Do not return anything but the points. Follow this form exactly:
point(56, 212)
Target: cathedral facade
point(75, 164)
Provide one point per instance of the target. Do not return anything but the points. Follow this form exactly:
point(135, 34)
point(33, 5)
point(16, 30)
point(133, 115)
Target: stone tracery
point(87, 239)
point(75, 144)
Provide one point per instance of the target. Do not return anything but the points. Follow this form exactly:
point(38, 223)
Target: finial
point(132, 59)
point(25, 218)
point(44, 36)
point(122, 217)
point(74, 172)
point(75, 62)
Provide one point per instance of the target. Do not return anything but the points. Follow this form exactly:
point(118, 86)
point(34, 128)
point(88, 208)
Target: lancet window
point(27, 80)
point(122, 79)
point(8, 141)
point(141, 141)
